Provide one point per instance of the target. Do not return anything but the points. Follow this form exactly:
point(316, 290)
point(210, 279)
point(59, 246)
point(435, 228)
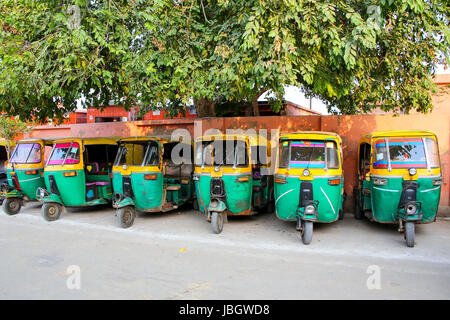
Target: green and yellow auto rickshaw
point(77, 175)
point(147, 177)
point(309, 180)
point(3, 163)
point(399, 179)
point(231, 176)
point(25, 173)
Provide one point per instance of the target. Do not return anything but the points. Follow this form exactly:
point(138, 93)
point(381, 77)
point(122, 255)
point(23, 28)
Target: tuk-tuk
point(24, 173)
point(147, 178)
point(309, 180)
point(77, 174)
point(229, 177)
point(3, 163)
point(399, 179)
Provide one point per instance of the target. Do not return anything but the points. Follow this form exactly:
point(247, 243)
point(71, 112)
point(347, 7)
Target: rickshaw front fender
point(52, 198)
point(217, 205)
point(123, 203)
point(12, 193)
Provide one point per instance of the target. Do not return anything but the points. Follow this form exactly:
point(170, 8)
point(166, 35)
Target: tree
point(353, 54)
point(10, 128)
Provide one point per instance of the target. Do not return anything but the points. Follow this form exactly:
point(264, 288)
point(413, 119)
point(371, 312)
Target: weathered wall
point(350, 128)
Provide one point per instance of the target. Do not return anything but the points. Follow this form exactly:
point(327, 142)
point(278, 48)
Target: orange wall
point(350, 128)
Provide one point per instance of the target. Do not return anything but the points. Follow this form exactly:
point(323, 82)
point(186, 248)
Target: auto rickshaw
point(25, 173)
point(399, 179)
point(229, 177)
point(309, 180)
point(77, 175)
point(3, 163)
point(146, 178)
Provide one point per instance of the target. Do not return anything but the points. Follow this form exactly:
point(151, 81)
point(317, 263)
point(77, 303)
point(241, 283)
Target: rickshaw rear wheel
point(217, 222)
point(358, 211)
point(51, 211)
point(125, 216)
point(307, 232)
point(11, 206)
point(409, 233)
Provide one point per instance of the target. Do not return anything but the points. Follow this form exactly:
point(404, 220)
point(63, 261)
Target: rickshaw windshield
point(143, 153)
point(222, 153)
point(405, 153)
point(314, 154)
point(65, 153)
point(26, 153)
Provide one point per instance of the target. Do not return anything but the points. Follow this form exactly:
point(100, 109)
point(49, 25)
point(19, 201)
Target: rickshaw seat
point(88, 184)
point(101, 183)
point(173, 188)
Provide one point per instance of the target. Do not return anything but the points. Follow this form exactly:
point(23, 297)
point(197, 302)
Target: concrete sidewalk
point(177, 256)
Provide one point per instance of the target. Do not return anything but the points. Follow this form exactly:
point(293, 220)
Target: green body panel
point(238, 194)
point(73, 189)
point(384, 200)
point(28, 182)
point(287, 197)
point(148, 194)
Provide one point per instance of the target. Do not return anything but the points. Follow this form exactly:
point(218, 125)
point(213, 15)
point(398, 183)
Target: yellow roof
point(310, 135)
point(48, 141)
point(397, 133)
point(90, 141)
point(162, 138)
point(254, 140)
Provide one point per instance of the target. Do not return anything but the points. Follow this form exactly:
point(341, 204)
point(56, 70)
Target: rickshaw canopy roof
point(46, 141)
point(395, 133)
point(320, 135)
point(254, 140)
point(160, 138)
point(90, 141)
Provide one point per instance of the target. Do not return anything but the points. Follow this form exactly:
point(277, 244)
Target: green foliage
point(352, 54)
point(10, 128)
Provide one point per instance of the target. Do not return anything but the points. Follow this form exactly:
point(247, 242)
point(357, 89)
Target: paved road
point(176, 256)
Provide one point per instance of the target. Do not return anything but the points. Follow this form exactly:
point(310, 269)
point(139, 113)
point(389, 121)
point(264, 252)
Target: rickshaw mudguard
point(127, 201)
point(12, 193)
point(220, 207)
point(52, 198)
point(287, 198)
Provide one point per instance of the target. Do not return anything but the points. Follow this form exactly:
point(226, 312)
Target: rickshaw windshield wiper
point(67, 155)
point(226, 158)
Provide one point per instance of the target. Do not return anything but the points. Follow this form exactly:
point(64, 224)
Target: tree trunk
point(204, 107)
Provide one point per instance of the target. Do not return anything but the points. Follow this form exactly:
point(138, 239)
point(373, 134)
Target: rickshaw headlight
point(380, 182)
point(411, 209)
point(306, 172)
point(437, 182)
point(310, 209)
point(42, 193)
point(214, 204)
point(412, 171)
point(196, 178)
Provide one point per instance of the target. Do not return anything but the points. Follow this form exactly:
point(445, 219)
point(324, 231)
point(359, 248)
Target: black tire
point(51, 211)
point(125, 216)
point(409, 234)
point(195, 204)
point(11, 206)
point(270, 207)
point(358, 211)
point(341, 215)
point(217, 222)
point(307, 232)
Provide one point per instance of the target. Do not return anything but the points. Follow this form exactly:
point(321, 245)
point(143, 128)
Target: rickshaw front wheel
point(51, 211)
point(125, 216)
point(217, 221)
point(307, 232)
point(409, 233)
point(11, 206)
